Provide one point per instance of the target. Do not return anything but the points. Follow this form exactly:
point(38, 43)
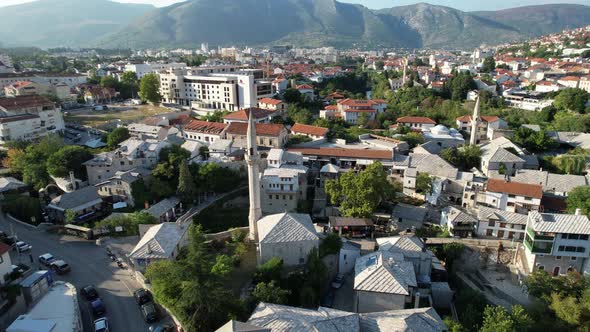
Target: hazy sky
point(459, 4)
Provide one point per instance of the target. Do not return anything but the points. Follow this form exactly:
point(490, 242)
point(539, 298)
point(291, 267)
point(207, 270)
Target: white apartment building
point(506, 195)
point(585, 83)
point(350, 110)
point(526, 101)
point(142, 69)
point(416, 122)
point(556, 243)
point(207, 92)
point(28, 118)
point(500, 224)
point(283, 182)
point(48, 79)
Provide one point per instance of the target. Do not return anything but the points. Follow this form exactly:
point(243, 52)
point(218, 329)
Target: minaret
point(252, 159)
point(404, 75)
point(474, 122)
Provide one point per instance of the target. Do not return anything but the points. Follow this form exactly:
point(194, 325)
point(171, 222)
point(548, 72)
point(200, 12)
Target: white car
point(46, 259)
point(101, 325)
point(22, 246)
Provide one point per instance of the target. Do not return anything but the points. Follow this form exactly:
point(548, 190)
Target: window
point(558, 257)
point(573, 258)
point(491, 223)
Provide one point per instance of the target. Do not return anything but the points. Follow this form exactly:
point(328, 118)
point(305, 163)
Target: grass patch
point(217, 218)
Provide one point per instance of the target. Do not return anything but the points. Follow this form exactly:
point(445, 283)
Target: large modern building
point(28, 118)
point(214, 90)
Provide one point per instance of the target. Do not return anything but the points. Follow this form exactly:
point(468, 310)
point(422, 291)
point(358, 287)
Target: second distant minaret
point(252, 159)
point(475, 119)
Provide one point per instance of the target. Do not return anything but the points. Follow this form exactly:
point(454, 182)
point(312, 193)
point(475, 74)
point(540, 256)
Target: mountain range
point(102, 23)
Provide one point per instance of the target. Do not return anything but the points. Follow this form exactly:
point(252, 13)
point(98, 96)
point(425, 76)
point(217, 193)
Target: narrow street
point(90, 265)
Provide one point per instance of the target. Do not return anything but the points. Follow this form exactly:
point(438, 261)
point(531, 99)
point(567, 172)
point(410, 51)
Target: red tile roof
point(364, 110)
point(360, 102)
point(257, 113)
point(21, 84)
point(304, 87)
point(515, 188)
point(262, 129)
point(331, 107)
point(20, 102)
point(415, 119)
point(270, 101)
point(309, 130)
point(4, 248)
point(346, 153)
point(199, 126)
point(18, 118)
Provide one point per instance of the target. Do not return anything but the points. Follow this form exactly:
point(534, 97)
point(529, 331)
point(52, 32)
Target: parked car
point(46, 259)
point(16, 268)
point(142, 296)
point(162, 328)
point(101, 325)
point(22, 246)
point(60, 267)
point(10, 240)
point(149, 312)
point(89, 292)
point(97, 307)
point(338, 281)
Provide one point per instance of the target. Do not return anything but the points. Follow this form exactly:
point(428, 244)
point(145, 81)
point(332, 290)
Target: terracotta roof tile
point(347, 153)
point(415, 119)
point(199, 126)
point(262, 129)
point(270, 101)
point(20, 102)
point(515, 188)
point(243, 114)
point(309, 130)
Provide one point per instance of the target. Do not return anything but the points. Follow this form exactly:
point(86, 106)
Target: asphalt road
point(90, 265)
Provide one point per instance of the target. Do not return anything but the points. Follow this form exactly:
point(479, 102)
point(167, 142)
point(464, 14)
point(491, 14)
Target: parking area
point(343, 296)
point(90, 265)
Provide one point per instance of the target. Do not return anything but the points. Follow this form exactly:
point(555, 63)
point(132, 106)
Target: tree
point(498, 319)
point(149, 88)
point(330, 245)
point(413, 139)
point(117, 136)
point(128, 84)
point(570, 164)
point(70, 216)
point(269, 271)
point(424, 183)
point(270, 292)
point(292, 96)
point(489, 64)
point(579, 198)
point(457, 87)
point(359, 194)
point(362, 119)
point(317, 274)
point(535, 141)
point(69, 159)
point(572, 99)
point(464, 158)
point(223, 266)
point(109, 82)
point(539, 284)
point(567, 308)
point(186, 186)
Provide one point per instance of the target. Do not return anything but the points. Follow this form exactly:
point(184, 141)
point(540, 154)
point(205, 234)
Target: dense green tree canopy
point(149, 88)
point(572, 99)
point(69, 158)
point(579, 198)
point(359, 194)
point(117, 136)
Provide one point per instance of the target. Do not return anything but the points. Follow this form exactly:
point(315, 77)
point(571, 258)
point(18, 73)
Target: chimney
point(73, 181)
point(578, 212)
point(149, 248)
point(417, 300)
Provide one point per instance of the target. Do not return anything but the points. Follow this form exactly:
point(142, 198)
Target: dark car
point(60, 267)
point(10, 240)
point(142, 296)
point(89, 292)
point(149, 312)
point(97, 307)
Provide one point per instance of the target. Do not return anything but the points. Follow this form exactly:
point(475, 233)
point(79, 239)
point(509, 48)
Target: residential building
point(556, 243)
point(132, 153)
point(85, 203)
point(347, 257)
point(143, 131)
point(204, 131)
point(57, 310)
point(548, 86)
point(313, 132)
point(344, 158)
point(275, 105)
point(142, 69)
point(47, 79)
point(507, 195)
point(416, 122)
point(268, 317)
point(408, 216)
point(585, 83)
point(120, 187)
point(162, 241)
point(413, 250)
point(483, 127)
point(500, 224)
point(569, 81)
point(526, 100)
point(28, 118)
point(10, 185)
point(166, 210)
point(306, 91)
point(383, 281)
point(351, 109)
point(268, 135)
point(495, 157)
point(260, 115)
point(99, 95)
point(458, 223)
point(283, 182)
point(288, 236)
point(25, 88)
point(553, 184)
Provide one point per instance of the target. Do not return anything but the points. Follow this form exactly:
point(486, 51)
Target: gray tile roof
point(10, 183)
point(286, 227)
point(551, 182)
point(384, 272)
point(407, 245)
point(455, 215)
point(433, 165)
point(76, 198)
point(430, 147)
point(281, 318)
point(409, 212)
point(486, 213)
point(558, 223)
point(409, 320)
point(496, 154)
point(235, 326)
point(160, 241)
point(159, 209)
